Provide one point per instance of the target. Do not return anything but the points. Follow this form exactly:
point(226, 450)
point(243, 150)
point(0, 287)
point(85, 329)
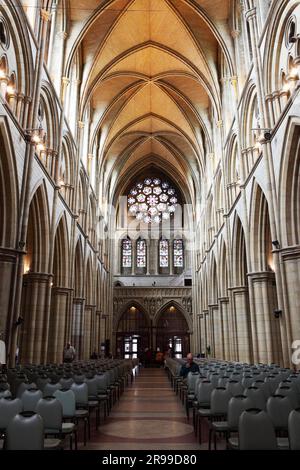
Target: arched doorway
point(133, 332)
point(173, 331)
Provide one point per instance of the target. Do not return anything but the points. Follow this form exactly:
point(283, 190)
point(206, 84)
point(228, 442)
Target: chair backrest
point(279, 408)
point(67, 399)
point(289, 392)
point(51, 388)
point(256, 431)
point(42, 381)
point(8, 409)
point(294, 429)
point(66, 382)
point(234, 387)
point(81, 393)
point(191, 381)
point(236, 406)
point(257, 396)
point(25, 432)
point(51, 410)
point(219, 400)
point(247, 381)
point(24, 386)
point(92, 386)
point(30, 398)
point(5, 394)
point(203, 393)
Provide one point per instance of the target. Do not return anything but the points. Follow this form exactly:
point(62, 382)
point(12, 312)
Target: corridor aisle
point(149, 416)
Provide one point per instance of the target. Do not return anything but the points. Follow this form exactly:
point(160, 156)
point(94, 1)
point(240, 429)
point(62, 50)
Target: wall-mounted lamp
point(277, 313)
point(19, 321)
point(276, 244)
point(266, 133)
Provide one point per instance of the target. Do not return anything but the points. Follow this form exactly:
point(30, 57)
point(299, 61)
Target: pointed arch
point(260, 238)
point(289, 185)
point(239, 254)
point(79, 270)
point(61, 254)
point(9, 194)
point(37, 239)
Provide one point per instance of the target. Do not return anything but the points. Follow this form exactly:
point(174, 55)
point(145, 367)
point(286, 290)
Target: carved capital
point(45, 15)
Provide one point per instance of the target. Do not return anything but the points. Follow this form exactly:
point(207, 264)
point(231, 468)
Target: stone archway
point(172, 330)
point(133, 331)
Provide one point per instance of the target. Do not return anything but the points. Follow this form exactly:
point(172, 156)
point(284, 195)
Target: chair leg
point(85, 425)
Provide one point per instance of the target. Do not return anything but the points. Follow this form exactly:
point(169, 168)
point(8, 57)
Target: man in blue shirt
point(190, 366)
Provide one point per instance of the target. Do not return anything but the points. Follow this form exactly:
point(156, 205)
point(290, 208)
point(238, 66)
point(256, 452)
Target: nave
point(149, 416)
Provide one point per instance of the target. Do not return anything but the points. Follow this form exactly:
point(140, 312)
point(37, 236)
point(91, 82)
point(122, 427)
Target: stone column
point(266, 336)
point(291, 276)
point(34, 298)
point(8, 261)
point(77, 330)
point(224, 311)
point(207, 329)
point(20, 107)
point(89, 311)
point(216, 331)
point(58, 323)
point(241, 317)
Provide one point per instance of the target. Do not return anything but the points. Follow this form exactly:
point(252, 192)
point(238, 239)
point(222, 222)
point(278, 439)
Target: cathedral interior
point(150, 196)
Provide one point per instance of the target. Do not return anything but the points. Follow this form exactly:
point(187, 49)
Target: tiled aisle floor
point(149, 416)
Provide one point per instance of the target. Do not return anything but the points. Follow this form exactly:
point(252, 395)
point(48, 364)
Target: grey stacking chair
point(236, 406)
point(289, 392)
point(256, 431)
point(9, 408)
point(234, 387)
point(50, 389)
point(294, 429)
point(30, 399)
point(25, 432)
point(51, 410)
point(257, 396)
point(279, 408)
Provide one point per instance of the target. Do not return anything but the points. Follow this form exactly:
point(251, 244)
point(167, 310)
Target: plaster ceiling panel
point(109, 90)
point(190, 88)
point(152, 125)
point(150, 100)
point(149, 20)
point(150, 61)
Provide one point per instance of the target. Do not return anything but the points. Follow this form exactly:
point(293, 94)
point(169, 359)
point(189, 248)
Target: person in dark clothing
point(189, 366)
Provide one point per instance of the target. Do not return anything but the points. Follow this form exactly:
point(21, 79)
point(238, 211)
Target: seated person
point(159, 356)
point(189, 366)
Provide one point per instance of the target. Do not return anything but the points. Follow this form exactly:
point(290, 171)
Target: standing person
point(69, 353)
point(189, 366)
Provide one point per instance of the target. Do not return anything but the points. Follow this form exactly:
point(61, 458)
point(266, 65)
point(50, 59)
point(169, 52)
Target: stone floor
point(149, 416)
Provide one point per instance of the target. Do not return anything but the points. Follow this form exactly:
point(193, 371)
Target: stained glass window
point(141, 254)
point(178, 253)
point(163, 254)
point(126, 253)
point(152, 201)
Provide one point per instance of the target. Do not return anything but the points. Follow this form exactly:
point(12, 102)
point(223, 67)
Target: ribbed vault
point(150, 81)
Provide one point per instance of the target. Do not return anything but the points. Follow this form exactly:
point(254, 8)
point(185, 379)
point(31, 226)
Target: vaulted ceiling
point(150, 75)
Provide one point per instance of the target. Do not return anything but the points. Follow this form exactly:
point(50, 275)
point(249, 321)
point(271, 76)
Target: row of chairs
point(61, 404)
point(221, 392)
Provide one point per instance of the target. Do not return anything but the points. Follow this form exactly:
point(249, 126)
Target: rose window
point(152, 201)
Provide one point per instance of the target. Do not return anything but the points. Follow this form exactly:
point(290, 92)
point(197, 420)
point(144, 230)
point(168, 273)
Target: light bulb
point(10, 90)
point(40, 147)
